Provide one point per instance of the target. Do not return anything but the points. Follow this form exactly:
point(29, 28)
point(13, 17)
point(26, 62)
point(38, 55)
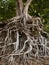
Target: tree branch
point(26, 7)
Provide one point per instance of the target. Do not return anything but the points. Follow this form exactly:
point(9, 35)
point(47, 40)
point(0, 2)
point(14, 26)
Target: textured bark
point(19, 7)
point(26, 8)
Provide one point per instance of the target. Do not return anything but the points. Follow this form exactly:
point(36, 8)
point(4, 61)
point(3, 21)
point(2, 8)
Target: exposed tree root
point(22, 38)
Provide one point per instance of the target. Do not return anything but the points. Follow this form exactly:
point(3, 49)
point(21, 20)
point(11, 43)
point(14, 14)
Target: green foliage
point(41, 8)
point(37, 8)
point(7, 9)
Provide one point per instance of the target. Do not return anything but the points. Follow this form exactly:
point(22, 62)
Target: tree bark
point(26, 8)
point(19, 7)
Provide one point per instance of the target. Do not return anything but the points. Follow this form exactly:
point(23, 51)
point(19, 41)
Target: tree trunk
point(19, 7)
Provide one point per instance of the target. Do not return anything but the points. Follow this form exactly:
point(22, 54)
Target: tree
point(22, 37)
